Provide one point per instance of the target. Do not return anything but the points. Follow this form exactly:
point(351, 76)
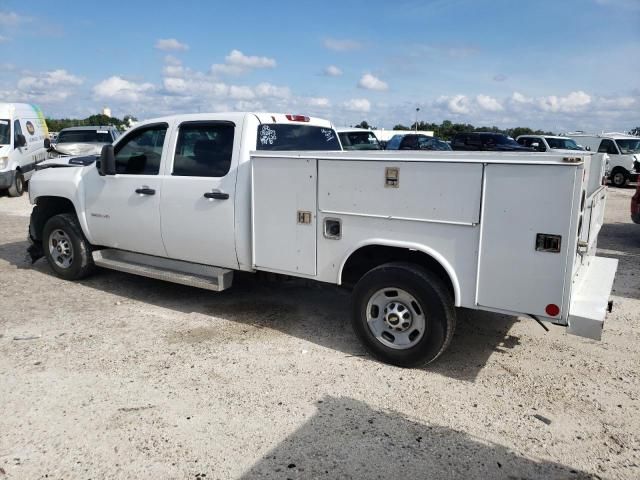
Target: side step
point(176, 271)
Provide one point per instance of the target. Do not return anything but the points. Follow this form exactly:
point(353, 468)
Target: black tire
point(433, 298)
point(619, 178)
point(16, 189)
point(80, 262)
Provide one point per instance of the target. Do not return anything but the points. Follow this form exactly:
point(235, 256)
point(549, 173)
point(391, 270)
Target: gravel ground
point(124, 377)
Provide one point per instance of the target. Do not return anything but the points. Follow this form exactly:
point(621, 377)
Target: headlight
point(3, 162)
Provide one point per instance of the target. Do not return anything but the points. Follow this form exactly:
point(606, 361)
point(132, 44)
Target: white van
point(24, 140)
point(623, 151)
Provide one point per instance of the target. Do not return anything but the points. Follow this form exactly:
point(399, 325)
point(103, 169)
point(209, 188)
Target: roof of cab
point(263, 117)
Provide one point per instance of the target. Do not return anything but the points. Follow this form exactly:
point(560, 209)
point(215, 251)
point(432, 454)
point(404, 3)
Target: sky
point(556, 65)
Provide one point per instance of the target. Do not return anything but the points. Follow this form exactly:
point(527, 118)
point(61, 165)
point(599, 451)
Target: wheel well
point(371, 256)
point(47, 207)
point(619, 169)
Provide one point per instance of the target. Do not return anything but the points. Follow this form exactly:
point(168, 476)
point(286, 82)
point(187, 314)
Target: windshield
point(562, 143)
point(277, 136)
point(394, 143)
point(84, 136)
point(359, 141)
point(5, 132)
point(631, 145)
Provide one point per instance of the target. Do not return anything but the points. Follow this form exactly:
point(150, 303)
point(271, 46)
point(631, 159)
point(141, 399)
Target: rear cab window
point(278, 136)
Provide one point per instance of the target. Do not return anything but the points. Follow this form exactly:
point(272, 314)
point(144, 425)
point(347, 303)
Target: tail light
point(297, 118)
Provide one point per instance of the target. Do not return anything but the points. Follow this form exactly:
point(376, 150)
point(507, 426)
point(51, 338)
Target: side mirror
point(535, 145)
point(47, 143)
point(20, 140)
point(107, 162)
point(588, 149)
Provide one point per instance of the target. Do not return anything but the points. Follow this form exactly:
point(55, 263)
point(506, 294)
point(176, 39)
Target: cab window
point(204, 149)
point(607, 146)
point(140, 152)
point(17, 130)
point(5, 132)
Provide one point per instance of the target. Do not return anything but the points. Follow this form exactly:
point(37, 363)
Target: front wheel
point(65, 247)
point(403, 314)
point(16, 189)
point(619, 179)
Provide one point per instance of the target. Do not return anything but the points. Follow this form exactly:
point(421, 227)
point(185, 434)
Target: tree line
point(55, 125)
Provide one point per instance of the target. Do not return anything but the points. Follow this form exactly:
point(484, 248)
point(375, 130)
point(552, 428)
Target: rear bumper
point(590, 298)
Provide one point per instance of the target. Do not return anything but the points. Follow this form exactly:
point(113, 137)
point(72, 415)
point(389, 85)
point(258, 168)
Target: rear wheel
point(16, 189)
point(65, 247)
point(619, 178)
point(403, 314)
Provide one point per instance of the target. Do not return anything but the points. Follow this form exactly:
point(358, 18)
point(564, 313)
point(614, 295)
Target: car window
point(394, 143)
point(409, 142)
point(607, 146)
point(17, 130)
point(140, 152)
point(5, 130)
point(359, 141)
point(276, 136)
point(204, 149)
point(85, 136)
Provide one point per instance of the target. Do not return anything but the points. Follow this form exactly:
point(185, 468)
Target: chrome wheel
point(395, 318)
point(61, 248)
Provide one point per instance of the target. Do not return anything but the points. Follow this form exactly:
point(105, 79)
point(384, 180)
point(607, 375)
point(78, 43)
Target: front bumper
point(590, 298)
point(6, 179)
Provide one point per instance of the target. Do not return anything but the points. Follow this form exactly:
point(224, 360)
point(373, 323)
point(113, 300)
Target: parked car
point(413, 141)
point(358, 139)
point(23, 142)
point(623, 151)
point(83, 140)
point(488, 141)
point(548, 143)
point(635, 205)
point(193, 198)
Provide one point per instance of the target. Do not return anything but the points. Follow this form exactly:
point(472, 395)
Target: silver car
point(83, 140)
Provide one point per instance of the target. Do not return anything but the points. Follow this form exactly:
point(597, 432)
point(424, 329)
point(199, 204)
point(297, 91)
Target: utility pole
point(416, 124)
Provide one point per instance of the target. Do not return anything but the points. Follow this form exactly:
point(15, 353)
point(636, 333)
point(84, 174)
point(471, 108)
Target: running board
point(176, 271)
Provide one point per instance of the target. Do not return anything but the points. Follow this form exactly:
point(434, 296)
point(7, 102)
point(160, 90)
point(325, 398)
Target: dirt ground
point(125, 377)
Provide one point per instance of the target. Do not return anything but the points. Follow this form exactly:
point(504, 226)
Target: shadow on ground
point(348, 439)
point(622, 242)
point(315, 312)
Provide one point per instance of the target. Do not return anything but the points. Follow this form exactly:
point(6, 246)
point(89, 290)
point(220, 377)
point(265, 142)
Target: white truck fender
point(409, 246)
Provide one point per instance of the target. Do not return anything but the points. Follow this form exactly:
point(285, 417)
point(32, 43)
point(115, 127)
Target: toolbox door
point(284, 215)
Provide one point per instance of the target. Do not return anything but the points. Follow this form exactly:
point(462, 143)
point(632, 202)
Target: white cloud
point(332, 71)
point(241, 93)
point(341, 45)
point(47, 81)
point(457, 105)
point(237, 63)
point(571, 103)
point(12, 19)
point(489, 103)
point(370, 82)
point(357, 105)
point(268, 90)
point(117, 88)
point(171, 45)
point(320, 102)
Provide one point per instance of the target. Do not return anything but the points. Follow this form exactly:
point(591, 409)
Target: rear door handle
point(145, 191)
point(217, 195)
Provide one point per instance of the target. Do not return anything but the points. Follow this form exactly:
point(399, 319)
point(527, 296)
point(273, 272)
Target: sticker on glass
point(328, 134)
point(267, 135)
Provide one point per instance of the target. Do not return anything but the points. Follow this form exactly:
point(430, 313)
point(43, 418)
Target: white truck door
point(197, 204)
point(123, 210)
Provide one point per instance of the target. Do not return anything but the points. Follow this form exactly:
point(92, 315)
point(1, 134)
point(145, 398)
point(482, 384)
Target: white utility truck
point(193, 198)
